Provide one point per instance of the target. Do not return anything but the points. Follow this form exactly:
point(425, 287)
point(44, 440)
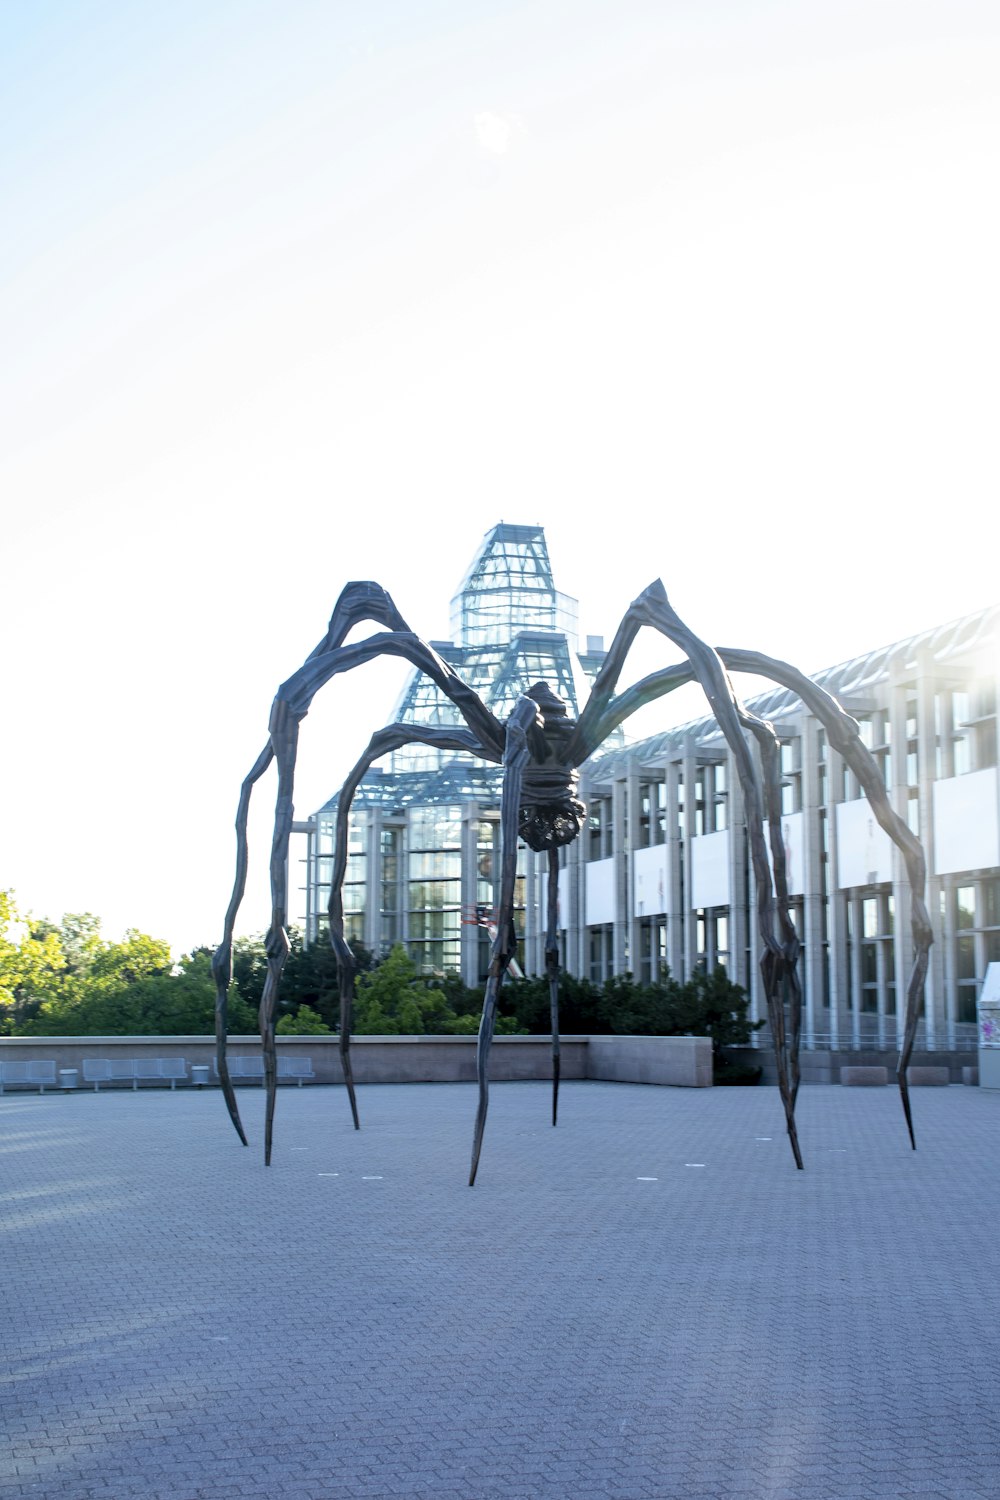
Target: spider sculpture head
point(540, 748)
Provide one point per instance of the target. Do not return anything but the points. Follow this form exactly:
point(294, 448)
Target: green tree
point(80, 937)
point(32, 966)
point(135, 957)
point(174, 1003)
point(310, 976)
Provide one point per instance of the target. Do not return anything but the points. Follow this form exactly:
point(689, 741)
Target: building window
point(821, 766)
point(392, 859)
point(869, 926)
point(652, 813)
point(791, 776)
point(600, 829)
point(435, 888)
point(976, 915)
point(354, 881)
point(965, 729)
point(652, 948)
point(710, 808)
point(600, 950)
point(712, 938)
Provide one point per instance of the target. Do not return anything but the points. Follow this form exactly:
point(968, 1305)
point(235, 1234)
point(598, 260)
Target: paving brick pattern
point(648, 1301)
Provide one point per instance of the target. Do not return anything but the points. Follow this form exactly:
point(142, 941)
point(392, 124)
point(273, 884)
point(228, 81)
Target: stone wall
point(681, 1061)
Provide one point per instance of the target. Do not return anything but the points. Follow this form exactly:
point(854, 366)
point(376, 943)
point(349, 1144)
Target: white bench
point(253, 1067)
point(134, 1070)
point(295, 1067)
point(28, 1073)
point(242, 1067)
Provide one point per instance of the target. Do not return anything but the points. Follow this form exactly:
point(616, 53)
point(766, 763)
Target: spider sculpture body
point(540, 749)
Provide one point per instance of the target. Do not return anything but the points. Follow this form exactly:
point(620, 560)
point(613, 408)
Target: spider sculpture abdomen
point(550, 813)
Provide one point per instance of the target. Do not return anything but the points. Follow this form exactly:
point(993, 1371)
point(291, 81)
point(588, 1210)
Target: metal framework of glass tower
point(424, 826)
point(510, 628)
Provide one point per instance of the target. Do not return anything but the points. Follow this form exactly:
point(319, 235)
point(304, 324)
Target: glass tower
point(424, 827)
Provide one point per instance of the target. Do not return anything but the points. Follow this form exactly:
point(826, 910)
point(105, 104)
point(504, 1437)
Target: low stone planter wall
point(676, 1061)
point(874, 1077)
point(928, 1077)
point(818, 1066)
point(375, 1059)
point(673, 1061)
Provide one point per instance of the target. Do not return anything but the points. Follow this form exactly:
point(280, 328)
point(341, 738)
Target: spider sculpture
point(540, 748)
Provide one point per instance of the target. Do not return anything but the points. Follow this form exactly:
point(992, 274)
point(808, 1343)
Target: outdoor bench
point(253, 1067)
point(242, 1067)
point(28, 1073)
point(295, 1067)
point(134, 1070)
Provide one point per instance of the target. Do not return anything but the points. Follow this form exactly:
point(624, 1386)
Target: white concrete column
point(934, 989)
point(690, 774)
point(739, 968)
point(620, 842)
point(625, 873)
point(840, 1019)
point(855, 967)
point(899, 797)
point(675, 884)
point(576, 961)
point(811, 962)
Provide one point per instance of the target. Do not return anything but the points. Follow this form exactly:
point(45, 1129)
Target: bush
point(709, 1005)
point(732, 1071)
point(524, 1003)
point(394, 1000)
point(305, 1022)
point(722, 1008)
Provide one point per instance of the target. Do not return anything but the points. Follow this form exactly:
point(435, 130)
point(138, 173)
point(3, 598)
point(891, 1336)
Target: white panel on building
point(965, 823)
point(562, 900)
point(710, 870)
point(864, 849)
point(600, 891)
point(649, 883)
point(793, 836)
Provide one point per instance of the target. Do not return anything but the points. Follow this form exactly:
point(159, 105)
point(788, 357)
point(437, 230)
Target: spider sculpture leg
point(602, 715)
point(844, 736)
point(222, 959)
point(653, 608)
point(284, 738)
point(787, 979)
point(515, 757)
point(393, 737)
point(358, 601)
point(552, 968)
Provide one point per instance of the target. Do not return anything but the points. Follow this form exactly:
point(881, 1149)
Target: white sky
point(293, 293)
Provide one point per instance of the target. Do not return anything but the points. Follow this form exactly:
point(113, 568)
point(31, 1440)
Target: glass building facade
point(424, 836)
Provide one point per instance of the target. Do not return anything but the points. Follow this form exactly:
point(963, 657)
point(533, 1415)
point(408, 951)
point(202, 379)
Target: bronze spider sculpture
point(540, 748)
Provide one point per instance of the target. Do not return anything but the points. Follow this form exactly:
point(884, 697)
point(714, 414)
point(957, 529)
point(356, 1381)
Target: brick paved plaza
point(647, 1302)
